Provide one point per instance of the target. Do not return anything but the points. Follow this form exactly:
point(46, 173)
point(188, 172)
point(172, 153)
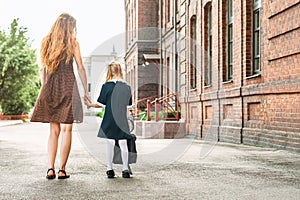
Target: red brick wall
point(148, 13)
point(272, 107)
point(142, 79)
point(262, 110)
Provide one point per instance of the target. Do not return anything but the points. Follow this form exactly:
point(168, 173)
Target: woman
point(59, 101)
point(115, 95)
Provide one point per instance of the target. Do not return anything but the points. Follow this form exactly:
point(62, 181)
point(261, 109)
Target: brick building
point(233, 63)
point(141, 39)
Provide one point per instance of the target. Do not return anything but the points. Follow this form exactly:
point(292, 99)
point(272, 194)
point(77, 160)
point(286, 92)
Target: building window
point(208, 45)
point(168, 10)
point(168, 71)
point(89, 87)
point(229, 39)
point(193, 49)
point(132, 24)
point(134, 19)
point(128, 27)
point(256, 37)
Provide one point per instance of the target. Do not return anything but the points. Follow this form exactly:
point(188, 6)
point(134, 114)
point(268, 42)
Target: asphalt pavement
point(166, 169)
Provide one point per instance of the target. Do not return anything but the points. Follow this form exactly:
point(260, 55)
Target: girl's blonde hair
point(59, 44)
point(113, 69)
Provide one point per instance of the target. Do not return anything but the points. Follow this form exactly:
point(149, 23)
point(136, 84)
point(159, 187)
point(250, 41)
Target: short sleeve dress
point(116, 96)
point(59, 99)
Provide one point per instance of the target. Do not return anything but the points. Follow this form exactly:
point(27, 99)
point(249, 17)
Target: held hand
point(87, 102)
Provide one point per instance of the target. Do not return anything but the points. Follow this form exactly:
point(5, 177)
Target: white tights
point(110, 144)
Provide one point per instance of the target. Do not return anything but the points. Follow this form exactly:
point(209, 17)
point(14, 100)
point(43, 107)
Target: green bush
point(101, 113)
point(161, 115)
point(19, 73)
point(143, 116)
point(172, 115)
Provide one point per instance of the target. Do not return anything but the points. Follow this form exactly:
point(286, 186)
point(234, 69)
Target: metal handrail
point(164, 102)
point(141, 102)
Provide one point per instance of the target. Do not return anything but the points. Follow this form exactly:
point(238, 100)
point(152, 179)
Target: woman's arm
point(81, 70)
point(42, 72)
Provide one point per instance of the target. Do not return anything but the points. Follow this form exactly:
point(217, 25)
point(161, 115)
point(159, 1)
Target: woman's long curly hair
point(59, 44)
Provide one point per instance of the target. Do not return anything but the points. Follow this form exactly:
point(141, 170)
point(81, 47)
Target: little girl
point(115, 95)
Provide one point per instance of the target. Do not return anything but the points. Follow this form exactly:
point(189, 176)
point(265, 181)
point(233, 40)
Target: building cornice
point(135, 43)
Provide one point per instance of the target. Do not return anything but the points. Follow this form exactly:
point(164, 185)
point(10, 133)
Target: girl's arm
point(94, 105)
point(89, 104)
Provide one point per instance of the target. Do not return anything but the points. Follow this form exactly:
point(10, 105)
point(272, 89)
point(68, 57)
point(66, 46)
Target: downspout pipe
point(175, 47)
point(161, 52)
point(242, 73)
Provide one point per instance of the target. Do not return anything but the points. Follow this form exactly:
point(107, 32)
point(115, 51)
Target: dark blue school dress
point(116, 96)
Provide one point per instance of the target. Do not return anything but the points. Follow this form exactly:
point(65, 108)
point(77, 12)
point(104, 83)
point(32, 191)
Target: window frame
point(193, 54)
point(209, 47)
point(256, 17)
point(168, 11)
point(89, 87)
point(229, 40)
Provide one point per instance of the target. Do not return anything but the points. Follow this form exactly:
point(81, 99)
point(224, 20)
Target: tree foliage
point(19, 77)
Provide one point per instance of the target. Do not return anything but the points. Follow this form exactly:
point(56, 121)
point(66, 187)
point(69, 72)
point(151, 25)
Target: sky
point(97, 21)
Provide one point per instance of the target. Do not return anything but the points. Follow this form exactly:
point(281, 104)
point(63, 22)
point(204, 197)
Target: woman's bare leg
point(65, 147)
point(52, 145)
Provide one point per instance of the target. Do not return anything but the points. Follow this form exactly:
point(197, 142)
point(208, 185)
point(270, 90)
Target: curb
point(4, 123)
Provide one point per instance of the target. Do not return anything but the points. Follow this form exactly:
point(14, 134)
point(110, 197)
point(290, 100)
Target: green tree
point(19, 76)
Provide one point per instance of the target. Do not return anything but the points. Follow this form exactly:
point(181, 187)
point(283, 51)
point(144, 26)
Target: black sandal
point(51, 176)
point(64, 172)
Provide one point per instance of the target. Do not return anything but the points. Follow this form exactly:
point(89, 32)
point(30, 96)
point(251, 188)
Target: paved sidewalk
point(197, 171)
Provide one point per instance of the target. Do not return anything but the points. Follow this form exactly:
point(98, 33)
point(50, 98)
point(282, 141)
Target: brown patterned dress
point(59, 100)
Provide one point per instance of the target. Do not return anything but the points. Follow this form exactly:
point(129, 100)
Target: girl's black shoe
point(126, 174)
point(110, 173)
